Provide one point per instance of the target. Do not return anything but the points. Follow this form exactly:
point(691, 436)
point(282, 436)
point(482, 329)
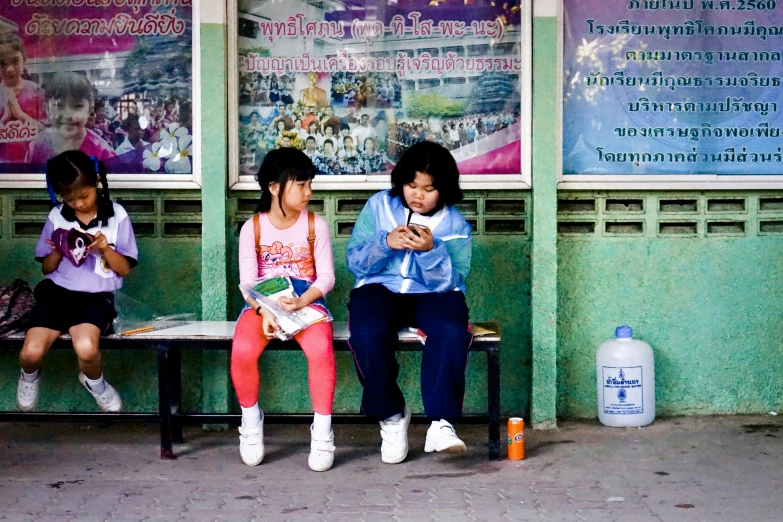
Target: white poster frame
point(523, 180)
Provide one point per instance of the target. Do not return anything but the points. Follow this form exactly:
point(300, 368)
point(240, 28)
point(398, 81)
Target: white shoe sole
point(396, 460)
point(454, 448)
point(319, 469)
point(252, 463)
point(27, 409)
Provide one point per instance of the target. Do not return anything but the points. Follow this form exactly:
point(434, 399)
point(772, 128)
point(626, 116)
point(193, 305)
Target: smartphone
point(413, 228)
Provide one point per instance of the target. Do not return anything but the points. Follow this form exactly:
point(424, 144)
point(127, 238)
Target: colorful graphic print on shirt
point(293, 261)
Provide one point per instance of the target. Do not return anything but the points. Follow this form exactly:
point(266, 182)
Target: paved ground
point(688, 469)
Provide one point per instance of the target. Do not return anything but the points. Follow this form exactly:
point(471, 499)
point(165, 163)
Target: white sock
point(322, 425)
point(397, 417)
point(31, 377)
point(251, 417)
point(98, 385)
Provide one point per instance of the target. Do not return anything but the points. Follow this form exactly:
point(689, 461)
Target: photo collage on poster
point(112, 79)
point(353, 84)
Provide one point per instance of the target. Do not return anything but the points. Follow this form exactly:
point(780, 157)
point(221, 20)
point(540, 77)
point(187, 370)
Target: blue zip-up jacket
point(442, 269)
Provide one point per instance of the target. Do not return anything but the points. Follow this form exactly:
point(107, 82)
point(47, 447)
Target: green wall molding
point(216, 384)
point(544, 262)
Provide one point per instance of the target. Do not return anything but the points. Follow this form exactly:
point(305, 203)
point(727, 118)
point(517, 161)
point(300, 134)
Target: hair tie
point(49, 186)
point(95, 162)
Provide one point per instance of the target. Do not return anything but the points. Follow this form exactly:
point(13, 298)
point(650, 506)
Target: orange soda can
point(516, 438)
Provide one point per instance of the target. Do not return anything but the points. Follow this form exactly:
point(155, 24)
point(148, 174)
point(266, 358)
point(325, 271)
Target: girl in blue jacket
point(410, 252)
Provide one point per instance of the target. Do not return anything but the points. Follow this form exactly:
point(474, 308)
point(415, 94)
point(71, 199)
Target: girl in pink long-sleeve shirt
point(285, 178)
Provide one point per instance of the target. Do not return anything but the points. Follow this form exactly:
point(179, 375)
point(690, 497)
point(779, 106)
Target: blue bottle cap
point(623, 332)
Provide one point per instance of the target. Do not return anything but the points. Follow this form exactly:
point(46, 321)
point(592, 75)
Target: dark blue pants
point(376, 315)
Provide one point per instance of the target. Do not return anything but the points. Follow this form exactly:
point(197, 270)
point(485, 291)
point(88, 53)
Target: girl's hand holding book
point(290, 304)
point(270, 326)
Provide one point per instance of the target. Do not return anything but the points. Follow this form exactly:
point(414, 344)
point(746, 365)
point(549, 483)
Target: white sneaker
point(27, 393)
point(251, 444)
point(321, 452)
point(441, 437)
point(109, 401)
point(394, 447)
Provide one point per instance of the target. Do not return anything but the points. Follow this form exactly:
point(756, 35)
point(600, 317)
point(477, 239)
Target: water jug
point(625, 371)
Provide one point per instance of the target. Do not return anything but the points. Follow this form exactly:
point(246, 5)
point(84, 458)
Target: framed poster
point(113, 78)
point(354, 83)
point(672, 94)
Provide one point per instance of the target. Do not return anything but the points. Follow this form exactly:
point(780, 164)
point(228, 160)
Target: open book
point(266, 291)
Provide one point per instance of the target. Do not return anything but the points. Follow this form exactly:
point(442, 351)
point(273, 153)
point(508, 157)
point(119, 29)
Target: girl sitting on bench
point(279, 241)
point(410, 252)
point(87, 246)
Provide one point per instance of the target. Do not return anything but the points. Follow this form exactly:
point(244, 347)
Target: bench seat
point(217, 335)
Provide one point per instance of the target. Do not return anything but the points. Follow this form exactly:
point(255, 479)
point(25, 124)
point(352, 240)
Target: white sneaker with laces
point(251, 444)
point(27, 394)
point(321, 452)
point(109, 401)
point(442, 437)
point(394, 447)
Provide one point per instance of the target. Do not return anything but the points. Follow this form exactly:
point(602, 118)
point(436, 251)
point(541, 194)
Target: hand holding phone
point(422, 240)
point(414, 228)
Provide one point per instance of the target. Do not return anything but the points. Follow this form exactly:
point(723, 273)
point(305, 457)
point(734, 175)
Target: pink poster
point(112, 78)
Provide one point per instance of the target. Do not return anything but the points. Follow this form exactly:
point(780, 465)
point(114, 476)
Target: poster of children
point(353, 84)
point(110, 78)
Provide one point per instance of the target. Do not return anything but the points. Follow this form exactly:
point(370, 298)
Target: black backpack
point(16, 302)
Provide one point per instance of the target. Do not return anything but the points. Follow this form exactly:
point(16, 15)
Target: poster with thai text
point(675, 87)
point(354, 84)
point(111, 78)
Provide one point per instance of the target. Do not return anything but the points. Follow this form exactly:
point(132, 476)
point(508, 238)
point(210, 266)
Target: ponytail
point(104, 201)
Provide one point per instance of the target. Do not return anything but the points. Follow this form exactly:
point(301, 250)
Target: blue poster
point(672, 87)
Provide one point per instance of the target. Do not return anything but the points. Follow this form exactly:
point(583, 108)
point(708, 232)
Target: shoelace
point(106, 398)
point(28, 389)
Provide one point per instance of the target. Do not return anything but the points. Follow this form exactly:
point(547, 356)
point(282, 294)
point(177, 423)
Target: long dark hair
point(281, 166)
point(435, 160)
point(74, 169)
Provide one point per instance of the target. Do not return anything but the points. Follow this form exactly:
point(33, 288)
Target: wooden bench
point(217, 335)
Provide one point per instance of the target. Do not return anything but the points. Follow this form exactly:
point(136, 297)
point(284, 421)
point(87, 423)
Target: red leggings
point(316, 342)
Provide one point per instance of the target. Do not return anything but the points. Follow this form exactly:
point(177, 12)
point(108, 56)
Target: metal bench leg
point(164, 403)
point(493, 403)
point(175, 378)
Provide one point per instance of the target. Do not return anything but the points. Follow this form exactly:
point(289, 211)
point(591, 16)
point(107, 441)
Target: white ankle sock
point(322, 425)
point(31, 377)
point(251, 417)
point(397, 417)
point(98, 385)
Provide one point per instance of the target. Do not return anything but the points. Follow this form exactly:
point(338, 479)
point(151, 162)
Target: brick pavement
point(685, 469)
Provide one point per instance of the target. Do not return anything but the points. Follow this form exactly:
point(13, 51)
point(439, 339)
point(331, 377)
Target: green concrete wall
point(697, 275)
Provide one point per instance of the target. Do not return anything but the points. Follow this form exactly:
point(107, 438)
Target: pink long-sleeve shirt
point(287, 252)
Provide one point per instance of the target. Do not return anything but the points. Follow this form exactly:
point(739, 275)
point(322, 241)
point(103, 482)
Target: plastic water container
point(625, 371)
